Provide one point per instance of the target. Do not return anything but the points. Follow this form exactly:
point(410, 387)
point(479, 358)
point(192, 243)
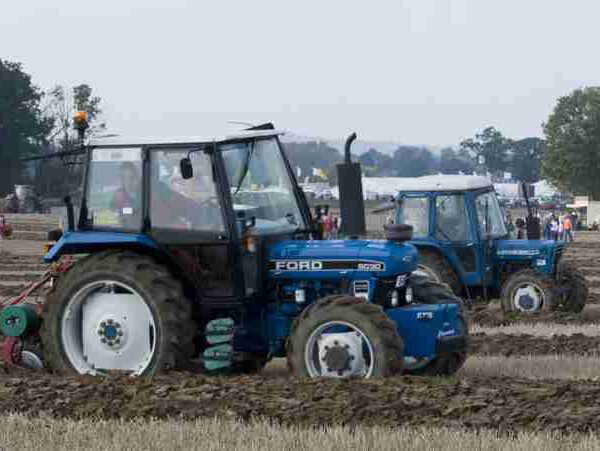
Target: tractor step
point(218, 357)
point(219, 331)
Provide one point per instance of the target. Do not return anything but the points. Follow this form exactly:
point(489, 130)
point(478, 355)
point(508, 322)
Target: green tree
point(23, 129)
point(411, 161)
point(526, 159)
point(488, 149)
point(572, 132)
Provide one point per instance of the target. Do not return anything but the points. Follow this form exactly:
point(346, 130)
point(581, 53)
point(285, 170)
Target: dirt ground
point(473, 403)
point(473, 400)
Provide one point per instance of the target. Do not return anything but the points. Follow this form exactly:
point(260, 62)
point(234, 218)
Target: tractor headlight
point(409, 295)
point(395, 300)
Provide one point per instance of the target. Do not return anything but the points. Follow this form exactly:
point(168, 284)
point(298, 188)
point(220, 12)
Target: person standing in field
point(567, 228)
point(553, 228)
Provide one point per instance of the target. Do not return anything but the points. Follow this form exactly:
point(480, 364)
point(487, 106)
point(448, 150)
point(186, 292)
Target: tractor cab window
point(451, 218)
point(414, 211)
point(489, 215)
point(114, 188)
point(176, 203)
point(261, 186)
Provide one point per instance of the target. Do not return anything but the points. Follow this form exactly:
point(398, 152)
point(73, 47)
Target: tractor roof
point(127, 141)
point(443, 183)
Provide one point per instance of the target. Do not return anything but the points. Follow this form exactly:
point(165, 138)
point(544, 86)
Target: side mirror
point(186, 169)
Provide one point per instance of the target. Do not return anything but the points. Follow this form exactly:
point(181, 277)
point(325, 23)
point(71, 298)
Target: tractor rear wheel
point(121, 311)
point(528, 291)
point(574, 281)
point(437, 268)
point(427, 291)
point(343, 336)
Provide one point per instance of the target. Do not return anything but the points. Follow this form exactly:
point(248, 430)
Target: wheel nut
point(109, 321)
point(117, 325)
point(110, 343)
point(100, 331)
point(103, 340)
point(103, 324)
point(120, 333)
point(117, 341)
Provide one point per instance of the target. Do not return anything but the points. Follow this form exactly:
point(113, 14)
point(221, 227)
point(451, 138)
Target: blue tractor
point(205, 252)
point(459, 231)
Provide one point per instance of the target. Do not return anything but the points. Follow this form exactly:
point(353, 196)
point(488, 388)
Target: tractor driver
point(191, 204)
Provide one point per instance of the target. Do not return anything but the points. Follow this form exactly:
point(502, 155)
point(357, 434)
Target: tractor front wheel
point(528, 291)
point(343, 336)
point(117, 310)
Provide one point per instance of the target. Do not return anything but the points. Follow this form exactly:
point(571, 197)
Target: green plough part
point(218, 357)
point(219, 331)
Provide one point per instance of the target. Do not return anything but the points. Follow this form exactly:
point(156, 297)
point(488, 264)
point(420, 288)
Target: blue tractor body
point(298, 273)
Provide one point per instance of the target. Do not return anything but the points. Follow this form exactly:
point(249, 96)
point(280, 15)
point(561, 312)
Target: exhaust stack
point(352, 208)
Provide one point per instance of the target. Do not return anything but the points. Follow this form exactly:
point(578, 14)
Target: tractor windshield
point(261, 185)
point(489, 215)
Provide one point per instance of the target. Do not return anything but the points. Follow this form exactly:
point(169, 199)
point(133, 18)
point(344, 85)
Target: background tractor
point(462, 241)
point(205, 251)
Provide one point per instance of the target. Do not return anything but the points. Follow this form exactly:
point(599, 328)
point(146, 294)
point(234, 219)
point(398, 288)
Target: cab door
point(186, 217)
point(453, 231)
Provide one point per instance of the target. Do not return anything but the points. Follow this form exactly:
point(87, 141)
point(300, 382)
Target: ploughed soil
point(525, 344)
point(498, 403)
point(492, 316)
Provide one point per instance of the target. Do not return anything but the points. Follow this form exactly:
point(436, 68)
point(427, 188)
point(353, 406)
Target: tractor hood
point(340, 258)
point(523, 249)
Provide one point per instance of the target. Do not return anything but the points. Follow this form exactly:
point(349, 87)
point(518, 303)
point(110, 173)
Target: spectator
point(567, 229)
point(553, 228)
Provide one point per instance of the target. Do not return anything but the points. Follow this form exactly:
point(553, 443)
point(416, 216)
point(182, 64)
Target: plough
point(20, 321)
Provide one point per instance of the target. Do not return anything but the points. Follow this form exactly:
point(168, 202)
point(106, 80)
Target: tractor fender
point(89, 242)
point(72, 243)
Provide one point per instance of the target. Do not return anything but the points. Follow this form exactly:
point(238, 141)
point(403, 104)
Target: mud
point(494, 317)
point(525, 344)
point(504, 405)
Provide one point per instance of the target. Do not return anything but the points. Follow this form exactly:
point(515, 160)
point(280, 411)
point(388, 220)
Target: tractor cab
point(205, 204)
point(463, 241)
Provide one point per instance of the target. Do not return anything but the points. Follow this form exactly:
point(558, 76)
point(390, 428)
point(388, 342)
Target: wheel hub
point(337, 358)
point(340, 354)
point(528, 299)
point(111, 333)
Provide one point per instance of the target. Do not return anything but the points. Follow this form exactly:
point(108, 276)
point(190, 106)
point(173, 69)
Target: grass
point(539, 329)
point(534, 367)
point(18, 432)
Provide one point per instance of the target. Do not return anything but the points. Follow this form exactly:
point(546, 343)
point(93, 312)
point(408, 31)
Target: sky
point(412, 71)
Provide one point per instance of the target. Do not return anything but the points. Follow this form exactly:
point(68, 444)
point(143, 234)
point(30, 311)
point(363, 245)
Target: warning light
point(81, 117)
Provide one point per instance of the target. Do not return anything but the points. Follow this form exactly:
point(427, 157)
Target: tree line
point(488, 152)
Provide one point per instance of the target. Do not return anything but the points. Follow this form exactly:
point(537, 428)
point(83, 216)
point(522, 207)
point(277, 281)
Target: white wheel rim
point(423, 270)
point(361, 360)
point(528, 297)
point(107, 326)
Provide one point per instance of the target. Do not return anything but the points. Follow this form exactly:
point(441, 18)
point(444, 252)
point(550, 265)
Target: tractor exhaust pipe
point(352, 208)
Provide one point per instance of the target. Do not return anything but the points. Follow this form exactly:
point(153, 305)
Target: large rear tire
point(427, 291)
point(348, 314)
point(578, 290)
point(528, 291)
point(437, 268)
point(117, 310)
